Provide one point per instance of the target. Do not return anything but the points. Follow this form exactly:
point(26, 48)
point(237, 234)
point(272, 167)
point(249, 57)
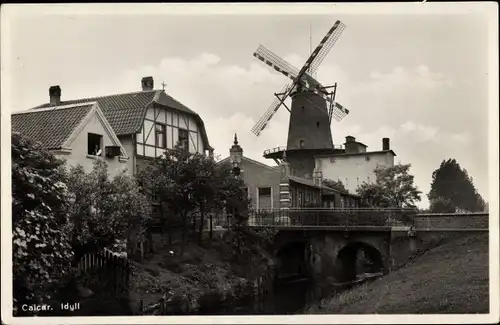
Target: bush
point(105, 211)
point(41, 253)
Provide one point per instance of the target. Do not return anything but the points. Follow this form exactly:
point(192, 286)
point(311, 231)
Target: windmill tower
point(312, 107)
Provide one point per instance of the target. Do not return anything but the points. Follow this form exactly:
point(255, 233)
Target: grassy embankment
point(201, 269)
point(451, 278)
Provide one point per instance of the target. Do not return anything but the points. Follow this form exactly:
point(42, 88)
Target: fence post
point(127, 279)
point(162, 306)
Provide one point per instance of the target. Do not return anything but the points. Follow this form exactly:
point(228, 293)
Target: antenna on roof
point(163, 85)
point(310, 38)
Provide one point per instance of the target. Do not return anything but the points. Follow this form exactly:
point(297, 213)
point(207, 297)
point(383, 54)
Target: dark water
point(290, 297)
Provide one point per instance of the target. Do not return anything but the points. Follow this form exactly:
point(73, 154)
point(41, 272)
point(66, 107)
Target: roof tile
point(124, 112)
point(49, 127)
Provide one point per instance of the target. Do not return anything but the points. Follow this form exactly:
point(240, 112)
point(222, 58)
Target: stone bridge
point(342, 244)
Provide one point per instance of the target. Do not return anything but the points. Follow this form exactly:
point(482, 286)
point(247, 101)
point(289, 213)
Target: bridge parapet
point(449, 221)
point(367, 217)
point(352, 217)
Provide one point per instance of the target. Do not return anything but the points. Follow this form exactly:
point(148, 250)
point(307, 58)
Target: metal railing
point(273, 150)
point(328, 217)
point(366, 217)
point(279, 149)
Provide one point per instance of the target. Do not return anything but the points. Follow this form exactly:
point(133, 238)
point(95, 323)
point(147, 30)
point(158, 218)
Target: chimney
point(147, 83)
point(317, 177)
point(385, 144)
point(55, 95)
point(350, 145)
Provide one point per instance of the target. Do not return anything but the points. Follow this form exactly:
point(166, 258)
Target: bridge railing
point(369, 217)
point(328, 217)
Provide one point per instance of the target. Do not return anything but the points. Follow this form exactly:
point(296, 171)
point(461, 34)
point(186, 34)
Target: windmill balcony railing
point(273, 150)
point(280, 149)
point(328, 217)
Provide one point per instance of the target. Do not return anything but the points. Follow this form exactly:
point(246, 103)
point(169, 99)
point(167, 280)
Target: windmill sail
point(339, 111)
point(326, 45)
point(302, 77)
point(264, 120)
point(275, 62)
point(322, 49)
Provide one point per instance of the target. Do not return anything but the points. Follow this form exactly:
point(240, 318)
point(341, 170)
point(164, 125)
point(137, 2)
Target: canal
point(287, 298)
point(290, 297)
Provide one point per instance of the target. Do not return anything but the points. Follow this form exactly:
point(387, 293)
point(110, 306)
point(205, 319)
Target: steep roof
point(51, 127)
point(125, 112)
point(274, 168)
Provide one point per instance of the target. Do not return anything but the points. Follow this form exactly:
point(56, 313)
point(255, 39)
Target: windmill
point(313, 105)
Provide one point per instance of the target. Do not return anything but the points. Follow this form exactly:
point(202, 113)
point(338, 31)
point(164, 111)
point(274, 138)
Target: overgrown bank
point(451, 278)
point(205, 279)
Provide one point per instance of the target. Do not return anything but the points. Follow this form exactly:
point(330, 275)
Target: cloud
point(405, 104)
point(420, 133)
point(404, 80)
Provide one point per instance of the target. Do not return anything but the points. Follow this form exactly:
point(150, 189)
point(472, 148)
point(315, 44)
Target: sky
point(421, 80)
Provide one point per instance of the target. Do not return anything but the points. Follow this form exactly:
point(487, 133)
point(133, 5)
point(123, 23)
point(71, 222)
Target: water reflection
point(288, 297)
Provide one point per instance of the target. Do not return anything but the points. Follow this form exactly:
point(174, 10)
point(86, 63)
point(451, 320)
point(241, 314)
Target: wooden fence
point(109, 269)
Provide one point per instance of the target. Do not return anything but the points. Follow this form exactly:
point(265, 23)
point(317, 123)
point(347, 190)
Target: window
point(264, 191)
point(367, 158)
point(94, 144)
point(161, 136)
point(184, 139)
point(154, 197)
point(301, 143)
point(308, 197)
point(264, 199)
point(317, 124)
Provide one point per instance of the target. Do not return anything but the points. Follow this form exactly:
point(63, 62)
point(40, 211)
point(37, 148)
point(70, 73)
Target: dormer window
point(94, 144)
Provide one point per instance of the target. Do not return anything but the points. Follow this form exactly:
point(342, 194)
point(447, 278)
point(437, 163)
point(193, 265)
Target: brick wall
point(256, 175)
point(459, 221)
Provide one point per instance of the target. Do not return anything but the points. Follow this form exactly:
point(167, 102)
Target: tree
point(41, 250)
point(452, 184)
point(393, 187)
point(170, 179)
point(231, 194)
point(189, 185)
point(372, 195)
point(441, 205)
point(338, 185)
point(105, 210)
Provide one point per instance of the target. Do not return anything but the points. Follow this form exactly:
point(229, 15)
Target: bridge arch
point(291, 260)
point(358, 257)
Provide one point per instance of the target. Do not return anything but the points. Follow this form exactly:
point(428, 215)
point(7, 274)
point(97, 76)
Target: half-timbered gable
point(146, 122)
point(165, 127)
